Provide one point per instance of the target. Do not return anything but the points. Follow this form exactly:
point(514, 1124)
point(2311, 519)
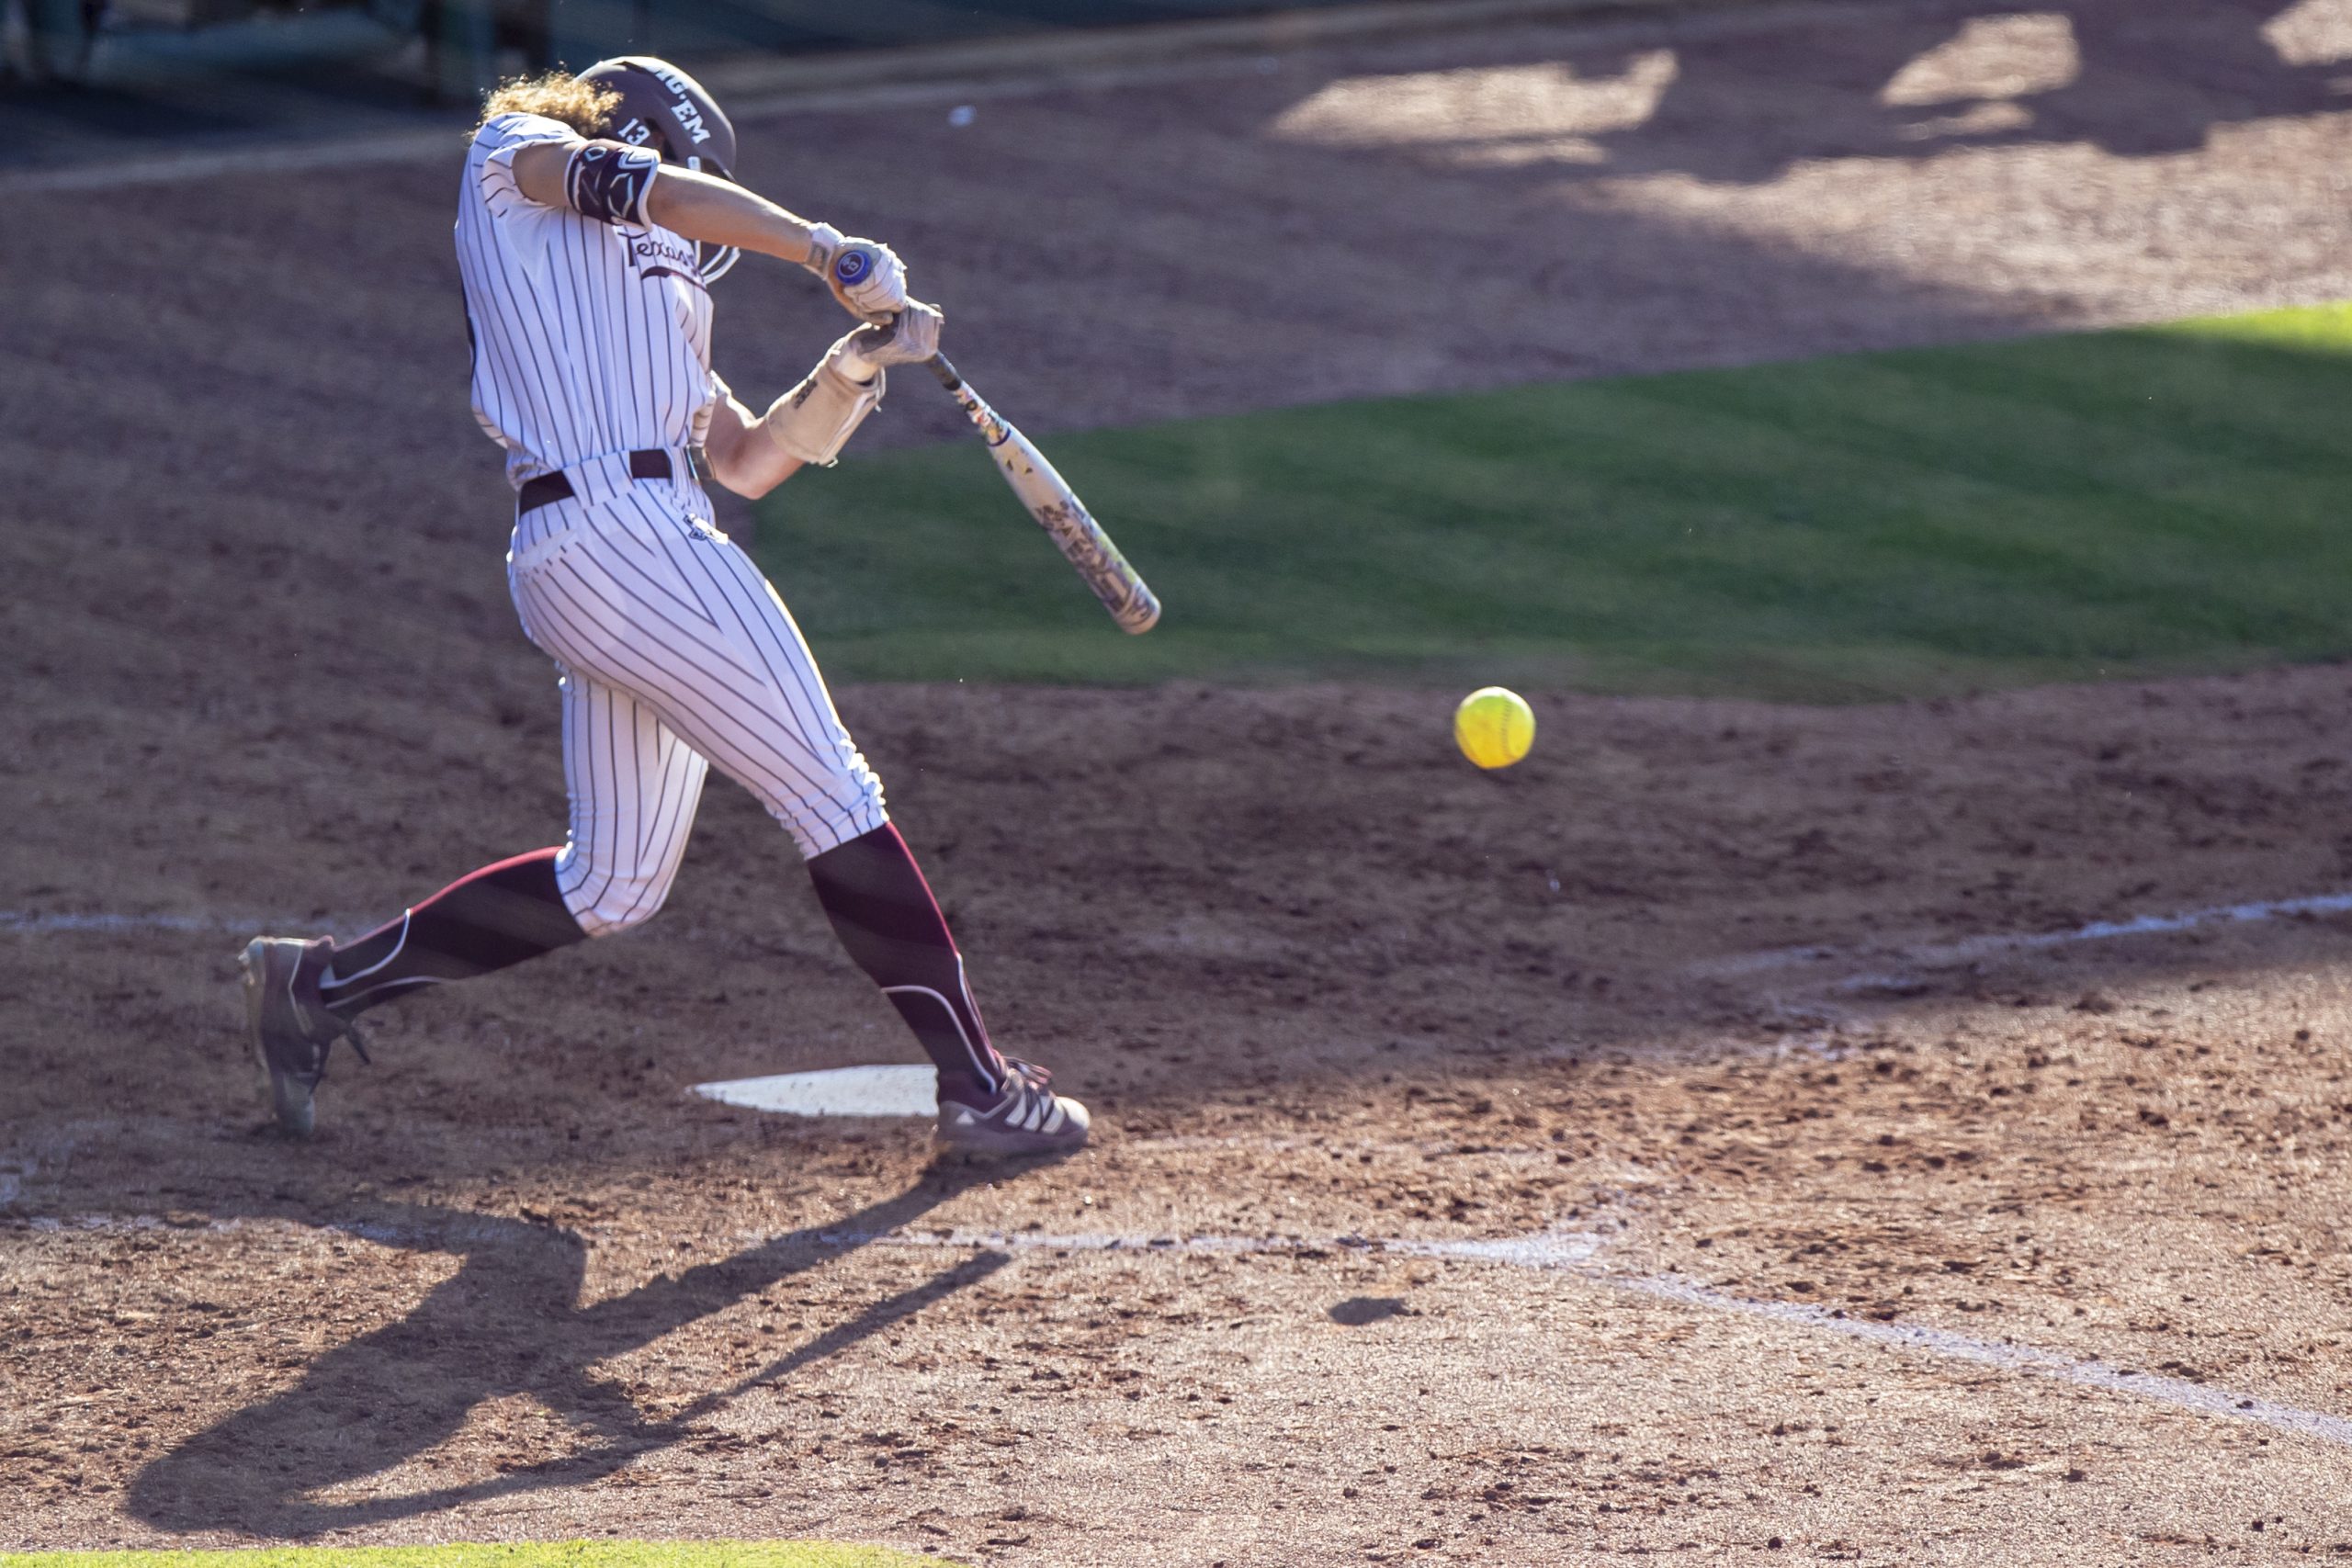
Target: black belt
point(647, 463)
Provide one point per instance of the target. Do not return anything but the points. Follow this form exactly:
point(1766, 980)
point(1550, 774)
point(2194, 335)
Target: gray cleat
point(292, 1028)
point(1028, 1117)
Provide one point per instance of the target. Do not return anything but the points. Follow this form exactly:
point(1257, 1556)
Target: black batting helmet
point(664, 109)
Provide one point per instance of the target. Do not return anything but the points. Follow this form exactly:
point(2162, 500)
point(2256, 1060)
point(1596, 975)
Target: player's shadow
point(507, 1322)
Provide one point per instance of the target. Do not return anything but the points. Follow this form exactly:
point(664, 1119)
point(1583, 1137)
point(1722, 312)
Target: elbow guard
point(815, 420)
point(609, 181)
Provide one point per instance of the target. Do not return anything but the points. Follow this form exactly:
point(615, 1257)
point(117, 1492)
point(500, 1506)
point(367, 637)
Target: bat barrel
point(1057, 510)
point(1140, 614)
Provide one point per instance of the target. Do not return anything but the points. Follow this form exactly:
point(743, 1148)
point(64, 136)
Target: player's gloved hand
point(910, 338)
point(865, 276)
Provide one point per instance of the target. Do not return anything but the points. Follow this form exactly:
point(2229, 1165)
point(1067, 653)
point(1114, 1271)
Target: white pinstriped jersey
point(588, 338)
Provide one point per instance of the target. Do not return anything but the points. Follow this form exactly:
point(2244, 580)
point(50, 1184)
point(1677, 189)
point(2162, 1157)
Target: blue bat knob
point(851, 265)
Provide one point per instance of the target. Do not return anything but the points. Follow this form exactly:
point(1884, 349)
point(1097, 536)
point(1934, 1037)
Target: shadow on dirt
point(1748, 93)
point(506, 1322)
point(2148, 80)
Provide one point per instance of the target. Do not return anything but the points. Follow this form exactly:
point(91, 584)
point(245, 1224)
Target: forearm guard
point(815, 420)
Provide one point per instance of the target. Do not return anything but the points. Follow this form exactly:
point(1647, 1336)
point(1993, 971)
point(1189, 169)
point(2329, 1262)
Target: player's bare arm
point(740, 456)
point(718, 213)
point(699, 206)
point(702, 208)
point(752, 454)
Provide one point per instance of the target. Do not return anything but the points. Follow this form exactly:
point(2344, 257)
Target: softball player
point(594, 214)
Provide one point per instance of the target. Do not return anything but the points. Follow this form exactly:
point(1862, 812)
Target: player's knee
point(826, 824)
point(606, 906)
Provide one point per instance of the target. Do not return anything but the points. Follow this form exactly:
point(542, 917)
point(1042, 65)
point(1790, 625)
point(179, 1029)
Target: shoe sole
point(997, 1154)
point(296, 1113)
point(997, 1142)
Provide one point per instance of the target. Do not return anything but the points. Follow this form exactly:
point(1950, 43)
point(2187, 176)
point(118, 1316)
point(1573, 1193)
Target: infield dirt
point(1323, 984)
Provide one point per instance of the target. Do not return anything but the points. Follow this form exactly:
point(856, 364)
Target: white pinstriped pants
point(675, 653)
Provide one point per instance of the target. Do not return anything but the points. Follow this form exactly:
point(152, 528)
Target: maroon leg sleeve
point(883, 911)
point(499, 916)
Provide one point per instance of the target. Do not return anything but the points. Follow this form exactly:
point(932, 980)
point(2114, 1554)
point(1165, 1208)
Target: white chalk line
point(1571, 1253)
point(1435, 1148)
point(1927, 956)
point(447, 143)
point(2202, 1398)
point(1153, 55)
point(1939, 955)
point(35, 922)
point(1556, 1249)
point(42, 925)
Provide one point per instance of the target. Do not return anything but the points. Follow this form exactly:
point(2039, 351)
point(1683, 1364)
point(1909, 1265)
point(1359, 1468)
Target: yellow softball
point(1494, 727)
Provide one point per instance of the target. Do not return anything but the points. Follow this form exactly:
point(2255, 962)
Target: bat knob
point(852, 265)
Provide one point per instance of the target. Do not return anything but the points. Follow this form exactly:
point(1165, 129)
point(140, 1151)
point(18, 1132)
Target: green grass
point(550, 1554)
point(2153, 501)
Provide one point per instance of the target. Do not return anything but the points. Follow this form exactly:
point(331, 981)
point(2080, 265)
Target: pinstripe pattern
point(591, 343)
point(674, 650)
point(592, 340)
point(588, 338)
point(634, 787)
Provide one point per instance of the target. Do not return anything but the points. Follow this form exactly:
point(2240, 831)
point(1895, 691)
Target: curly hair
point(559, 94)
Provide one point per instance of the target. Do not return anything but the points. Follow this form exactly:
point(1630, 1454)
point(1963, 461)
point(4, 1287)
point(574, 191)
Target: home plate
point(837, 1091)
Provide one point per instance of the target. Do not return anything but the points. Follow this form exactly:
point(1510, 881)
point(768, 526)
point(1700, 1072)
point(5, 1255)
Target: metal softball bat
point(1057, 509)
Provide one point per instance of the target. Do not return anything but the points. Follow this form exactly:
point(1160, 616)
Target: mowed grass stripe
point(525, 1555)
point(2154, 501)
